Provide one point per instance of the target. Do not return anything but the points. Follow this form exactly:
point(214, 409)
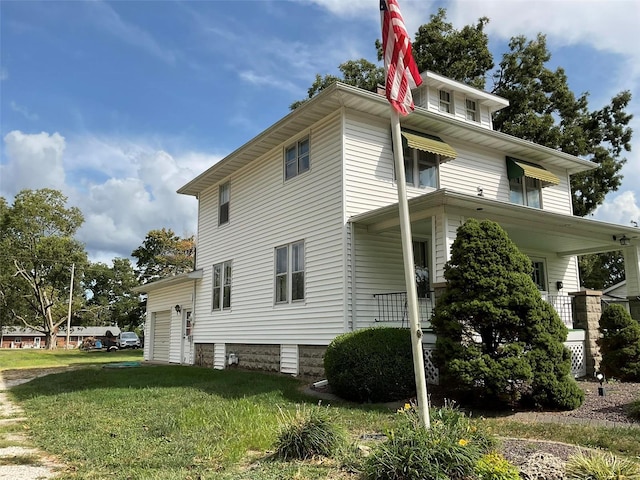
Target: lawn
point(39, 358)
point(174, 422)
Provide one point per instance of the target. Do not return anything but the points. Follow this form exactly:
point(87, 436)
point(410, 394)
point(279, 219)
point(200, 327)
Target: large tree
point(39, 250)
point(542, 107)
point(110, 296)
point(164, 254)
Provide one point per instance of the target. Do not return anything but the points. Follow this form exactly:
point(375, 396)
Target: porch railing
point(392, 308)
point(562, 305)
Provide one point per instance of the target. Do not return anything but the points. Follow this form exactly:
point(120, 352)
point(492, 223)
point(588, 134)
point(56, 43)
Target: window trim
point(226, 282)
point(226, 205)
point(446, 103)
point(475, 114)
point(289, 273)
point(297, 158)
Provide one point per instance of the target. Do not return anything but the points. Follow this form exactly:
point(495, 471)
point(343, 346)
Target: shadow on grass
point(228, 384)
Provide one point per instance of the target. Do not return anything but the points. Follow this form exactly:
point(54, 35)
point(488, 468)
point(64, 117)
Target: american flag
point(401, 68)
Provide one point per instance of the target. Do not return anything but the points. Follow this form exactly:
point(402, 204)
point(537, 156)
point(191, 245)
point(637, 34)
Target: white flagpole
point(409, 272)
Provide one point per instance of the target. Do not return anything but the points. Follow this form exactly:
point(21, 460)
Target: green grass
point(174, 422)
point(38, 358)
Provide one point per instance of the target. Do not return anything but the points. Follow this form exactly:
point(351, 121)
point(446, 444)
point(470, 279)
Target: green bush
point(449, 450)
point(601, 466)
point(371, 365)
point(498, 341)
point(494, 466)
point(620, 344)
point(634, 410)
point(308, 433)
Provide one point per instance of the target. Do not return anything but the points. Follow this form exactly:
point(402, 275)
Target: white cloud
point(35, 161)
point(123, 187)
point(4, 74)
point(621, 209)
point(24, 111)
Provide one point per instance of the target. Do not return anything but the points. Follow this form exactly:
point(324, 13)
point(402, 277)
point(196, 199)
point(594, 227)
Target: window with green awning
point(428, 143)
point(518, 169)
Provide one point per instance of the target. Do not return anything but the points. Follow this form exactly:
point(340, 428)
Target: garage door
point(161, 336)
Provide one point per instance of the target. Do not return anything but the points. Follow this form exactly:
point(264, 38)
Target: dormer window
point(472, 110)
point(445, 101)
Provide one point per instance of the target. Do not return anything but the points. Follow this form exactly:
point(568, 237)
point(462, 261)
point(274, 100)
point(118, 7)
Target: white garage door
point(161, 336)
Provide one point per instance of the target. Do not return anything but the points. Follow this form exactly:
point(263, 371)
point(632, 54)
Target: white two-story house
point(298, 234)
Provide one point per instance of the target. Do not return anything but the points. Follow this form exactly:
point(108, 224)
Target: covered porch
point(551, 240)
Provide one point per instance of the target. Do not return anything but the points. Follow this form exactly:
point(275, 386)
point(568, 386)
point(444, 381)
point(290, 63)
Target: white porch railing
point(563, 305)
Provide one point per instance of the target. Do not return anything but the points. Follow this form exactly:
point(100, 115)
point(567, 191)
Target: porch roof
point(530, 228)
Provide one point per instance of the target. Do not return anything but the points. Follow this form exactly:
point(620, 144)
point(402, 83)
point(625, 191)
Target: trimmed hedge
point(371, 365)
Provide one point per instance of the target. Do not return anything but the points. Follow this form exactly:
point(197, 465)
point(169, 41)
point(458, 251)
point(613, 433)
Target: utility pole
point(73, 270)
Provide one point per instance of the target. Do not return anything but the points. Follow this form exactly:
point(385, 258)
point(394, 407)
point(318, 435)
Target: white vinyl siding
point(268, 212)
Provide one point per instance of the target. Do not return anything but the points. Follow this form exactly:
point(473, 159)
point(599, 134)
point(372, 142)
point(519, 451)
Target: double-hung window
point(445, 101)
point(526, 182)
point(420, 167)
point(222, 286)
point(223, 203)
point(472, 110)
point(538, 275)
point(296, 158)
point(289, 273)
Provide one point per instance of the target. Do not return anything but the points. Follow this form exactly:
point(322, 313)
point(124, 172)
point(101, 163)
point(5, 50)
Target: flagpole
point(409, 272)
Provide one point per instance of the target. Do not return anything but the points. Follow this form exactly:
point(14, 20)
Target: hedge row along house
point(299, 240)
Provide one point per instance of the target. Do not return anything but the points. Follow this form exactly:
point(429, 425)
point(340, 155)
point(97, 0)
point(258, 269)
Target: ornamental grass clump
point(493, 466)
point(449, 450)
point(601, 466)
point(308, 433)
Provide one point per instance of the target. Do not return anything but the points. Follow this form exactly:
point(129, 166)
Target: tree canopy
point(38, 251)
point(542, 107)
point(163, 254)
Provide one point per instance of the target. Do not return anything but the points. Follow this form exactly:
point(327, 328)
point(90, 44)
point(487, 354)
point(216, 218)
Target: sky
point(118, 104)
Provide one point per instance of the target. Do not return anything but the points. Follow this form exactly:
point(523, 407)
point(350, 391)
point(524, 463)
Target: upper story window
point(222, 286)
point(472, 110)
point(223, 203)
point(289, 274)
point(296, 158)
point(420, 167)
point(526, 182)
point(445, 101)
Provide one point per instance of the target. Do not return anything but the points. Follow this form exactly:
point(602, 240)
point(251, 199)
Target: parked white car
point(128, 340)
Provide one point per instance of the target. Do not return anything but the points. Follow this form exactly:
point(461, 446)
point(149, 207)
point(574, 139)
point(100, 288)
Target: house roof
point(530, 228)
point(340, 95)
point(169, 282)
point(494, 102)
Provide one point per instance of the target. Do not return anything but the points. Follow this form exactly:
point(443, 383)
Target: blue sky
point(118, 104)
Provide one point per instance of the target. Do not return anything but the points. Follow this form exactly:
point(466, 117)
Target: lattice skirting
point(578, 361)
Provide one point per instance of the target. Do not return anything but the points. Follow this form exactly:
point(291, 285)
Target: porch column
point(587, 312)
point(632, 274)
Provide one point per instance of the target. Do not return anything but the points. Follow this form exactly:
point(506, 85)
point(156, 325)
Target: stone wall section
point(587, 312)
point(311, 361)
point(256, 357)
point(204, 355)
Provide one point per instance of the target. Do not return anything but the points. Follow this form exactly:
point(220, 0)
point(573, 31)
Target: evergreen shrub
point(371, 365)
point(620, 344)
point(498, 341)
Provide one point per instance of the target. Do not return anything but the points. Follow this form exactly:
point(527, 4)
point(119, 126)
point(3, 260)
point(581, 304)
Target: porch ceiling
point(530, 228)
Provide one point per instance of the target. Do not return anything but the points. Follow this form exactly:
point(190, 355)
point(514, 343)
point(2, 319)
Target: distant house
point(20, 337)
point(298, 229)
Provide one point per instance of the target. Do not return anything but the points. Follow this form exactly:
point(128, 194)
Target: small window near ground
point(289, 273)
point(296, 158)
point(224, 196)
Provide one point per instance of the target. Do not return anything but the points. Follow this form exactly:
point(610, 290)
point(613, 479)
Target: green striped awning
point(518, 168)
point(428, 143)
